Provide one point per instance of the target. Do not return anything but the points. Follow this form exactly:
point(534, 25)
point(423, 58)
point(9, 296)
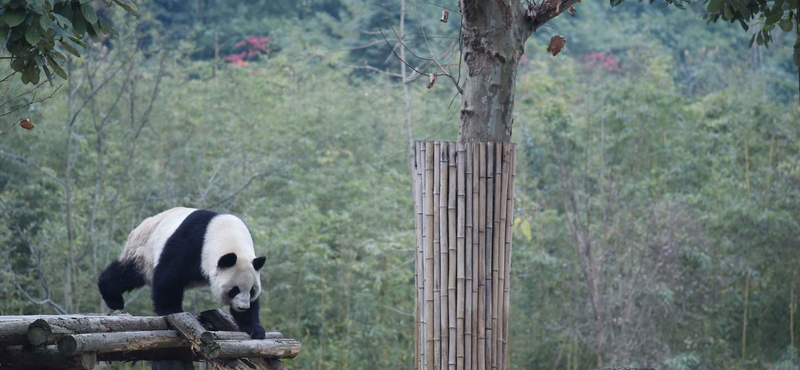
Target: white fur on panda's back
point(146, 242)
point(227, 234)
point(224, 234)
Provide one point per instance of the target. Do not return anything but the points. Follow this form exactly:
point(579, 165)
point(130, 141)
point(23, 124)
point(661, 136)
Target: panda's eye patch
point(252, 291)
point(233, 292)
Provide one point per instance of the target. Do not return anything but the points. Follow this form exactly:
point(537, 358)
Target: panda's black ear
point(227, 260)
point(258, 262)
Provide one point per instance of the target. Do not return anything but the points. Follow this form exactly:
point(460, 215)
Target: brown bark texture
point(493, 35)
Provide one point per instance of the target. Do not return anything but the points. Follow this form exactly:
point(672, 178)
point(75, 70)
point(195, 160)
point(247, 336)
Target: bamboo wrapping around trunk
point(463, 195)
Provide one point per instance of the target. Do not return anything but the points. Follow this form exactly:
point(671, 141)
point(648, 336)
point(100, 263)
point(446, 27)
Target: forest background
point(677, 143)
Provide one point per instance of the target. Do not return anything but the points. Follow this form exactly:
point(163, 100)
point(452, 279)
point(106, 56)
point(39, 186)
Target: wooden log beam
point(190, 329)
point(20, 357)
point(79, 324)
point(187, 326)
point(267, 348)
point(47, 329)
point(71, 345)
point(13, 333)
point(210, 336)
point(63, 317)
point(156, 354)
point(219, 320)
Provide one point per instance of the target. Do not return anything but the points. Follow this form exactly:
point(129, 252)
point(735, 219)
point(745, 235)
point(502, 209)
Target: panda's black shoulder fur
point(180, 262)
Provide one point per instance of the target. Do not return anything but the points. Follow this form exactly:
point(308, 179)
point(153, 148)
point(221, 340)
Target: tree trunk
point(493, 35)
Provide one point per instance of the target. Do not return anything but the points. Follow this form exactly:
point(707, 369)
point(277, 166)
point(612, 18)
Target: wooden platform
point(80, 341)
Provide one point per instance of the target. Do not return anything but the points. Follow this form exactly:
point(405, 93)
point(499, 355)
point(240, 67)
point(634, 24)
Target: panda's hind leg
point(118, 278)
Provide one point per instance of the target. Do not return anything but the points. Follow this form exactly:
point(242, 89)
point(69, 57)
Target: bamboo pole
point(429, 258)
point(460, 251)
point(497, 230)
point(508, 245)
point(490, 244)
point(420, 168)
point(451, 255)
point(417, 268)
point(476, 237)
point(482, 254)
point(443, 253)
point(418, 261)
point(504, 167)
point(437, 276)
point(468, 311)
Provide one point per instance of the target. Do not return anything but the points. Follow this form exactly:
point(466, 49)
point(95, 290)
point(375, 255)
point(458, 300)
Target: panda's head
point(236, 281)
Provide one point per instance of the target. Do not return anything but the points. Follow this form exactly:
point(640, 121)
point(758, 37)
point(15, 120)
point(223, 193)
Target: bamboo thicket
point(463, 194)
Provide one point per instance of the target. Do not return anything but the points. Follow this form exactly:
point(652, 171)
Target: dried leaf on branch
point(556, 44)
point(26, 124)
point(431, 79)
point(445, 14)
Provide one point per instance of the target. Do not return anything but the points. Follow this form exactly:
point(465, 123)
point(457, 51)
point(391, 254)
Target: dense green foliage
point(29, 31)
point(676, 153)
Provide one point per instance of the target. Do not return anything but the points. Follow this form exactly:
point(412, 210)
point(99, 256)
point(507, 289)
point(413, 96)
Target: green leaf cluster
point(765, 15)
point(36, 32)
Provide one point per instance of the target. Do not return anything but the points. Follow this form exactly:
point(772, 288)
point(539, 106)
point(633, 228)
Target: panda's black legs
point(167, 297)
point(248, 321)
point(118, 278)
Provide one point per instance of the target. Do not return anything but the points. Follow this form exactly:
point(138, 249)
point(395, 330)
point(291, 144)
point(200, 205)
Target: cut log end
point(68, 346)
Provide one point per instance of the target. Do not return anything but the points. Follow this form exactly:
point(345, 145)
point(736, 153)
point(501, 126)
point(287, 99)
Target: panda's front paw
point(255, 331)
point(114, 302)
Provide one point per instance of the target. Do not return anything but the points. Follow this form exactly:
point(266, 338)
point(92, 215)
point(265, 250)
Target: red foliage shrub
point(252, 47)
point(604, 60)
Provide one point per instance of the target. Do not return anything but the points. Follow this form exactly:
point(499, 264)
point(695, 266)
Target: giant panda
point(184, 248)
